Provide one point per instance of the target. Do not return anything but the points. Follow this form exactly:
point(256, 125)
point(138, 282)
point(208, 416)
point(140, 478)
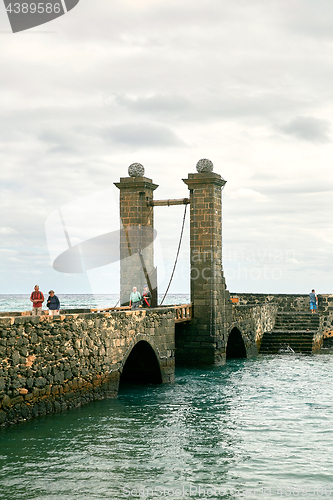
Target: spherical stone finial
point(136, 170)
point(205, 165)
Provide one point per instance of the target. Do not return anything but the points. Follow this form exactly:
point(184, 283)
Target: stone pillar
point(136, 234)
point(211, 302)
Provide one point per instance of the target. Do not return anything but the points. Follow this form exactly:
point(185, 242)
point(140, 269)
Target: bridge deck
point(183, 312)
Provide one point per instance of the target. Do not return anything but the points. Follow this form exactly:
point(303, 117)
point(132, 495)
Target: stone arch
point(141, 363)
point(235, 345)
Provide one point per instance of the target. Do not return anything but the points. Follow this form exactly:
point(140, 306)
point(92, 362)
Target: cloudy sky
point(247, 84)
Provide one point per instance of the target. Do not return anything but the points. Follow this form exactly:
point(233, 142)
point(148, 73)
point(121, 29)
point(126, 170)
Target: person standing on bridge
point(53, 303)
point(146, 296)
point(313, 301)
point(37, 299)
point(135, 298)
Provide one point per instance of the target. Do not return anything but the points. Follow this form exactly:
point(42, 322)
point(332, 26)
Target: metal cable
point(174, 267)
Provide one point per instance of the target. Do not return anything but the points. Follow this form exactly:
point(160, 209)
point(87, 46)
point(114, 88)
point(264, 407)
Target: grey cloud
point(311, 19)
point(211, 106)
point(142, 135)
point(308, 128)
point(301, 188)
point(57, 142)
point(7, 230)
point(298, 186)
point(284, 208)
point(201, 72)
point(138, 18)
point(159, 104)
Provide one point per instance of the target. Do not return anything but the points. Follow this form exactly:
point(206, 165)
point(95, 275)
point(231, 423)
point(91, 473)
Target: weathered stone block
point(6, 401)
point(15, 357)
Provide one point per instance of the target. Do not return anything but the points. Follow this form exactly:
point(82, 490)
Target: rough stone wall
point(293, 302)
point(286, 302)
point(253, 322)
point(325, 303)
point(325, 309)
point(297, 303)
point(49, 364)
point(136, 234)
point(317, 340)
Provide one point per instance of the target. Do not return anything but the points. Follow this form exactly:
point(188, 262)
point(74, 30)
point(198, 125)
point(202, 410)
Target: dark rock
point(57, 406)
point(16, 358)
point(49, 407)
point(42, 408)
point(30, 382)
point(24, 351)
point(40, 382)
point(24, 410)
point(35, 410)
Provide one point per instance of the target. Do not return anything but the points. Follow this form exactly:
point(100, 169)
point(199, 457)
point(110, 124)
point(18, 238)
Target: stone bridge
point(52, 363)
point(49, 364)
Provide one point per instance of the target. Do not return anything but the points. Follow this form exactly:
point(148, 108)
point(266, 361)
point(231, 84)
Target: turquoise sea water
point(21, 302)
point(254, 428)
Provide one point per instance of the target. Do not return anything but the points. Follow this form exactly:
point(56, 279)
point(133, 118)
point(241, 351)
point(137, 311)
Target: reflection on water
point(230, 431)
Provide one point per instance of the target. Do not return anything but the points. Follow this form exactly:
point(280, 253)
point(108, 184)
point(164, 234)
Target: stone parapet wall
point(325, 309)
point(288, 303)
point(326, 325)
point(49, 364)
point(253, 322)
point(325, 303)
point(45, 312)
point(285, 302)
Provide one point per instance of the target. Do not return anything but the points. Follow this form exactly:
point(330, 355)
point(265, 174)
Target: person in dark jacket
point(53, 303)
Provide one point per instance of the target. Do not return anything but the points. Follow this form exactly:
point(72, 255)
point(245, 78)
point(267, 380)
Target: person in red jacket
point(146, 297)
point(37, 299)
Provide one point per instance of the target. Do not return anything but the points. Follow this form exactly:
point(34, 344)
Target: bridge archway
point(141, 366)
point(235, 346)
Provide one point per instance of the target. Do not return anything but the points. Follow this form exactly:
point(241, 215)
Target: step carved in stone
point(293, 331)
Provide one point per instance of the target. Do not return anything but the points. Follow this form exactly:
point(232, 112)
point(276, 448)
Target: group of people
point(37, 299)
point(136, 299)
point(53, 303)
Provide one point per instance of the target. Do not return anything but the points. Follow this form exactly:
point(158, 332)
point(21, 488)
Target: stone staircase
point(293, 331)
